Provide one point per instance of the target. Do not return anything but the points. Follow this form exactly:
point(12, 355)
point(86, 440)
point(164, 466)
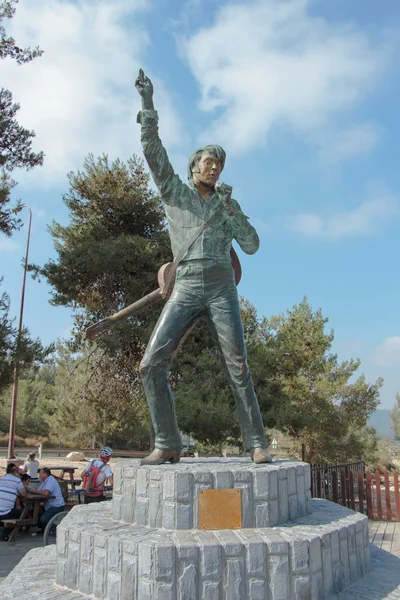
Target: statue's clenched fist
point(144, 86)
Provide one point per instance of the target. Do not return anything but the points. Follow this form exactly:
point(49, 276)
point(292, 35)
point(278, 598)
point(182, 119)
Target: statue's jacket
point(185, 209)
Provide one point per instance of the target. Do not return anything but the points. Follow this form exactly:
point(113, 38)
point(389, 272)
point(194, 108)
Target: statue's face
point(209, 170)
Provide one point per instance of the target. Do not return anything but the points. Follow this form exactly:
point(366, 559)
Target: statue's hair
point(213, 150)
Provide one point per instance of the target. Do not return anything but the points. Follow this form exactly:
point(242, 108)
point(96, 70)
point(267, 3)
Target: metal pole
point(14, 397)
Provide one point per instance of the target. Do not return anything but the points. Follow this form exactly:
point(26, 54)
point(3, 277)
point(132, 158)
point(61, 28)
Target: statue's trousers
point(202, 287)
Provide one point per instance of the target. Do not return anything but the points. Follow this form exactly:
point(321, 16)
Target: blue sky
point(302, 94)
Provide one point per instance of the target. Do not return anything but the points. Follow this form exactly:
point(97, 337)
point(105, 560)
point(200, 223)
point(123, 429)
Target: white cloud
point(79, 97)
point(368, 218)
point(354, 141)
point(8, 245)
point(271, 62)
point(387, 354)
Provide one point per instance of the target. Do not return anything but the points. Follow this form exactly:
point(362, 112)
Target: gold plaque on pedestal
point(220, 509)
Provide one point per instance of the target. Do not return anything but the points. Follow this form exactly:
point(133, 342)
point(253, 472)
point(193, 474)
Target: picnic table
point(25, 519)
point(69, 471)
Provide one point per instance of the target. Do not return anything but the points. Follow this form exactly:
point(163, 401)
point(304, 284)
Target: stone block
point(273, 485)
point(283, 503)
point(142, 509)
point(257, 589)
point(260, 485)
point(184, 516)
point(145, 590)
point(128, 503)
point(317, 586)
point(155, 504)
point(327, 563)
point(235, 578)
point(99, 573)
point(62, 541)
point(222, 480)
point(187, 583)
point(278, 576)
point(114, 554)
point(72, 566)
point(164, 562)
point(164, 591)
point(145, 564)
point(255, 553)
point(114, 585)
point(210, 555)
point(315, 555)
point(169, 515)
point(142, 481)
point(291, 481)
point(301, 587)
point(183, 487)
point(262, 514)
point(210, 591)
point(169, 488)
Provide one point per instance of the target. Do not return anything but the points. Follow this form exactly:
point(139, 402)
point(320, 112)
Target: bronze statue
point(203, 220)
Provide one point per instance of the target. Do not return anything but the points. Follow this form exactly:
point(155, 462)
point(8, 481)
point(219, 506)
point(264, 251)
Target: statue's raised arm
point(156, 156)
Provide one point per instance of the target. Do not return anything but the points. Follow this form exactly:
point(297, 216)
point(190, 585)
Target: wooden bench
point(16, 524)
point(20, 522)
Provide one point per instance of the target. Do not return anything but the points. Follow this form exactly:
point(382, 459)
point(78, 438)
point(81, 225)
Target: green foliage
point(91, 400)
point(107, 257)
point(8, 47)
point(36, 392)
point(302, 387)
point(15, 141)
point(395, 416)
point(110, 253)
point(204, 402)
point(15, 151)
point(27, 352)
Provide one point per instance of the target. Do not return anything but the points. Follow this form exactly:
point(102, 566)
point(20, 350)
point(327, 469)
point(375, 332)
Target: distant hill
point(382, 422)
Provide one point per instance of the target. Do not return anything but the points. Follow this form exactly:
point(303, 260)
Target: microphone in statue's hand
point(225, 194)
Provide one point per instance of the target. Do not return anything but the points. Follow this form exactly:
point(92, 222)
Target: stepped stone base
point(316, 556)
point(147, 545)
point(167, 496)
point(33, 578)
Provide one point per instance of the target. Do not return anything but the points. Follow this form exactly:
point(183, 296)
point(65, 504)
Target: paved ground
point(382, 583)
point(12, 553)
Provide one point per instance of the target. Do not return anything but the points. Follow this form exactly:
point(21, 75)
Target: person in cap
point(100, 473)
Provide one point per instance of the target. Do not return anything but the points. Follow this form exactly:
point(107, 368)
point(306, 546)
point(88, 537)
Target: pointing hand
point(143, 85)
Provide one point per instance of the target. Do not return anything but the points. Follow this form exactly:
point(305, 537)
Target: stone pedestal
point(147, 545)
point(167, 496)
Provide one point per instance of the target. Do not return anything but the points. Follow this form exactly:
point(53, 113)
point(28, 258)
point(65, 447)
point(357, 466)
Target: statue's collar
point(193, 187)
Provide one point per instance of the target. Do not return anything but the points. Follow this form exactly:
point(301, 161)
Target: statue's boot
point(260, 455)
point(159, 457)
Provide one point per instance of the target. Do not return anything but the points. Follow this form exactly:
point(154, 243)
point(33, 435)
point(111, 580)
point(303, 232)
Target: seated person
point(26, 480)
point(31, 466)
point(49, 487)
point(11, 487)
